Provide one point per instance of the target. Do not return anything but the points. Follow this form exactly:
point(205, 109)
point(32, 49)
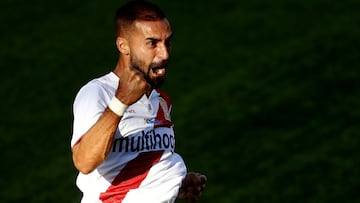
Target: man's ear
point(122, 45)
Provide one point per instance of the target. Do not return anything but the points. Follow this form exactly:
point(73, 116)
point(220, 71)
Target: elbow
point(82, 168)
point(86, 162)
point(85, 171)
point(82, 164)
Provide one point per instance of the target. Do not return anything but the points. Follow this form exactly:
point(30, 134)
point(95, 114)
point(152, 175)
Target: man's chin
point(157, 83)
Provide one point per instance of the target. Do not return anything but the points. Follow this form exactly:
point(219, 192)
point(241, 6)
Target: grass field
point(266, 95)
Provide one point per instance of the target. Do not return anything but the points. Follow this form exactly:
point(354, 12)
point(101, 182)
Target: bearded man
point(123, 139)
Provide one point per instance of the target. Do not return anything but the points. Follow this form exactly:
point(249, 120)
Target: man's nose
point(163, 52)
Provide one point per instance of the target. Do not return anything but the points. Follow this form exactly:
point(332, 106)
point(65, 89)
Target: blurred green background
point(265, 93)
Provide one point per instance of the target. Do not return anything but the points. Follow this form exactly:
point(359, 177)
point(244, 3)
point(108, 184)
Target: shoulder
point(101, 87)
point(91, 89)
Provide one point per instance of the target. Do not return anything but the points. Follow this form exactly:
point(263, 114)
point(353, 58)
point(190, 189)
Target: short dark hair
point(134, 10)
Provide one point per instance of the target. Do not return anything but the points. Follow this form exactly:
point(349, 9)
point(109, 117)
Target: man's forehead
point(158, 28)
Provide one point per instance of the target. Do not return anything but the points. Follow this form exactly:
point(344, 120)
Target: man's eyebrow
point(152, 39)
point(157, 39)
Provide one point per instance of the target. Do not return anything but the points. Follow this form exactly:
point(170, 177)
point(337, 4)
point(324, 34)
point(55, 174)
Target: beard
point(139, 65)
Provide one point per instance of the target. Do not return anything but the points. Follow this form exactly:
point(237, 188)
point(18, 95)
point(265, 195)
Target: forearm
point(96, 143)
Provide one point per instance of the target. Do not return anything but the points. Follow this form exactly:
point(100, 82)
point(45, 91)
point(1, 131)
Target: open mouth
point(158, 71)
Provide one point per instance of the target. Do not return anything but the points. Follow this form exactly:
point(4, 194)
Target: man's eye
point(152, 43)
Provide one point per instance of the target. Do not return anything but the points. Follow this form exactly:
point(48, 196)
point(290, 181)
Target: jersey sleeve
point(89, 105)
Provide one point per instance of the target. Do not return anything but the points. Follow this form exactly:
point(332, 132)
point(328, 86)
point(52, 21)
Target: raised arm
point(94, 146)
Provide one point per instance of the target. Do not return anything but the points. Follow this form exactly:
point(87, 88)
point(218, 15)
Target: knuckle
point(137, 78)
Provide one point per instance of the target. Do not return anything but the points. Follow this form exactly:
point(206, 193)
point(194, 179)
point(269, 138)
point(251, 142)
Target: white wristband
point(117, 106)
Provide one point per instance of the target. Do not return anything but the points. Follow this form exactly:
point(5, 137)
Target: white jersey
point(142, 165)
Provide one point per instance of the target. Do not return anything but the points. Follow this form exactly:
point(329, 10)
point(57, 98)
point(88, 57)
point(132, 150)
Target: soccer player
point(123, 139)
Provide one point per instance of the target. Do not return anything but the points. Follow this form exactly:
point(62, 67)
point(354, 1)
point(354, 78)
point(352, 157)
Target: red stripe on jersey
point(161, 120)
point(165, 96)
point(131, 176)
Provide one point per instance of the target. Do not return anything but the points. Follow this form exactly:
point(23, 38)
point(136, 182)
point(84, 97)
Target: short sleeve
point(89, 105)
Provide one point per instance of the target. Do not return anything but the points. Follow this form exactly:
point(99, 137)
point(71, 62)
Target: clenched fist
point(132, 86)
point(192, 186)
